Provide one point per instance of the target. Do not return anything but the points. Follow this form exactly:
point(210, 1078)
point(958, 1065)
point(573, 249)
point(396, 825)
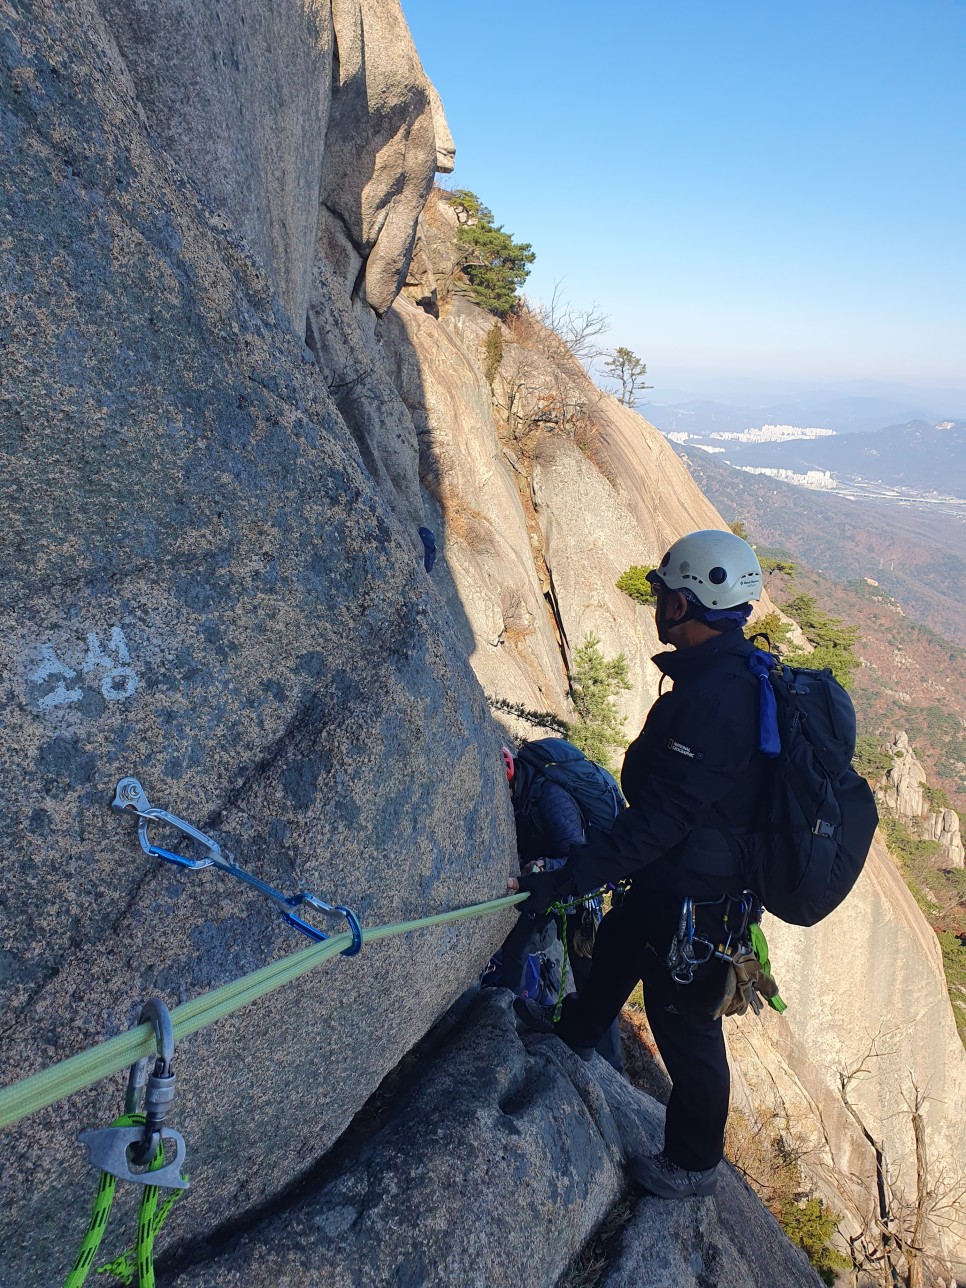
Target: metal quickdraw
point(689, 949)
point(130, 795)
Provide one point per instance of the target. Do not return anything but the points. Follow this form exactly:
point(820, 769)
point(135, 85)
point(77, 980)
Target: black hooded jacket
point(694, 780)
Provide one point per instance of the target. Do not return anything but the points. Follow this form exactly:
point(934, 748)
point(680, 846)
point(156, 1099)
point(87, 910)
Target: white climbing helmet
point(718, 568)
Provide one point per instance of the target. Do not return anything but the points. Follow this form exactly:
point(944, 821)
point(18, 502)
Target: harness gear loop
point(563, 908)
point(741, 944)
point(130, 795)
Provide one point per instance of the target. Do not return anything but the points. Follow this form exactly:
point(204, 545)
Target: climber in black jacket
point(693, 780)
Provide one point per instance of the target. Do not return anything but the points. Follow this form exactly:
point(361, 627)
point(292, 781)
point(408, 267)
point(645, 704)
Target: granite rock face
point(492, 578)
point(239, 96)
point(205, 586)
point(731, 1240)
point(866, 997)
point(539, 1161)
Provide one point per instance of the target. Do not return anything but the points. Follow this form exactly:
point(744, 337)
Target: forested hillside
point(917, 556)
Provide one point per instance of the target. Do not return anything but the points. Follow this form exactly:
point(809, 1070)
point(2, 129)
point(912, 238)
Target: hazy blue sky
point(761, 187)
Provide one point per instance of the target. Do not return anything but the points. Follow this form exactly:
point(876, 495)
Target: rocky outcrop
point(905, 793)
point(542, 1140)
point(270, 109)
point(943, 826)
point(388, 136)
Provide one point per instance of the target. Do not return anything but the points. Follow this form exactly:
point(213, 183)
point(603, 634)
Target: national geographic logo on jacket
point(682, 750)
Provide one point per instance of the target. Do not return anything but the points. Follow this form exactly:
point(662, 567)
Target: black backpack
point(593, 789)
point(818, 822)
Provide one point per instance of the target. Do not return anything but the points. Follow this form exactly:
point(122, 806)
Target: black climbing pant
point(632, 944)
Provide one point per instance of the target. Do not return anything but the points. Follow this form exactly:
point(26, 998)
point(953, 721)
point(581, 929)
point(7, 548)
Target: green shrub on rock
point(492, 262)
point(634, 583)
point(595, 681)
point(811, 1225)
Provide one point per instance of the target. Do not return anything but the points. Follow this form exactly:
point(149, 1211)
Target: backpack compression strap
point(761, 664)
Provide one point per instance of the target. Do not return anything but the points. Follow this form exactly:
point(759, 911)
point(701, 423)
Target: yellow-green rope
point(150, 1221)
point(87, 1067)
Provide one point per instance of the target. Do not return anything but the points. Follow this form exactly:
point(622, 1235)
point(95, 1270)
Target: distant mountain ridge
point(846, 413)
point(918, 557)
point(918, 454)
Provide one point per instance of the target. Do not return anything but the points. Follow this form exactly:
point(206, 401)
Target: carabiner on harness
point(130, 795)
point(118, 1150)
point(689, 949)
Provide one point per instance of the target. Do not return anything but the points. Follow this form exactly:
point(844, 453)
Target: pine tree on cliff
point(629, 371)
point(492, 262)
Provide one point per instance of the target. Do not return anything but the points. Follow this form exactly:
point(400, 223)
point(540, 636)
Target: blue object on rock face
point(429, 548)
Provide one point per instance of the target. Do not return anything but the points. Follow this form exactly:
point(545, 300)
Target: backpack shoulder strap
point(765, 667)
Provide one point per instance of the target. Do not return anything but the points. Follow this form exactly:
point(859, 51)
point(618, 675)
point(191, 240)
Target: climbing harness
point(130, 795)
point(741, 943)
point(136, 1140)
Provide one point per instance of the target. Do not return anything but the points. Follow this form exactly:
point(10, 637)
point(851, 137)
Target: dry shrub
point(525, 327)
point(517, 621)
point(459, 517)
point(767, 1157)
point(515, 635)
point(641, 1060)
point(590, 441)
point(468, 525)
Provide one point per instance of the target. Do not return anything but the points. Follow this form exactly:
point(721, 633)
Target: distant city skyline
point(749, 190)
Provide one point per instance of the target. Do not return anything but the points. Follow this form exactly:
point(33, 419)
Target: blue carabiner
point(313, 932)
point(170, 857)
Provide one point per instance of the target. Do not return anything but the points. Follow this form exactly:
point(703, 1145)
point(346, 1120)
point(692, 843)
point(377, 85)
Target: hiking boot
point(539, 1019)
point(658, 1175)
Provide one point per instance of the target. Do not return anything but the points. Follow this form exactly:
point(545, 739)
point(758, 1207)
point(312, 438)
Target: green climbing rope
point(87, 1067)
point(563, 909)
point(150, 1221)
